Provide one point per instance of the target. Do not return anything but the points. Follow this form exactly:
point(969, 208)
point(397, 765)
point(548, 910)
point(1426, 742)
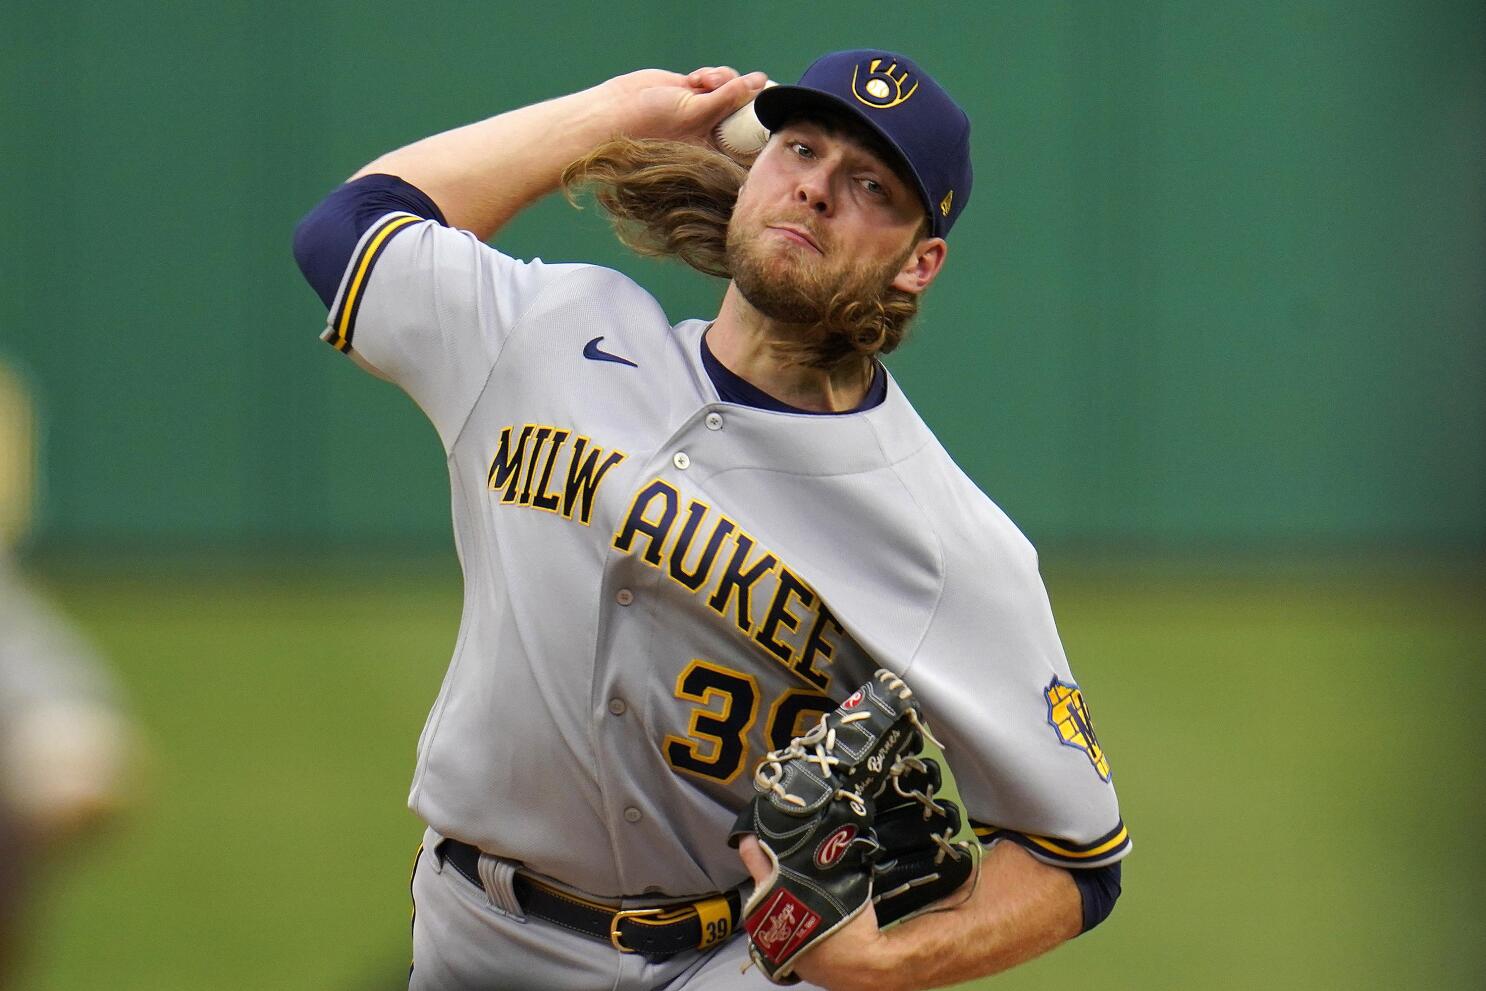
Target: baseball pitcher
point(722, 584)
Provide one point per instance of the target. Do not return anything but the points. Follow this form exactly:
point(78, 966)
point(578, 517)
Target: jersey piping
point(342, 324)
point(1107, 849)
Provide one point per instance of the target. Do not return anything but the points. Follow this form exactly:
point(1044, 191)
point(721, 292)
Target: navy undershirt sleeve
point(326, 237)
point(1099, 888)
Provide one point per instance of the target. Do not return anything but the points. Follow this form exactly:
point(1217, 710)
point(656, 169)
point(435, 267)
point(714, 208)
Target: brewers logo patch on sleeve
point(1068, 715)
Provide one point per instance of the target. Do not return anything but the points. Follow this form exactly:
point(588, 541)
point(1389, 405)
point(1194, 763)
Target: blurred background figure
point(65, 745)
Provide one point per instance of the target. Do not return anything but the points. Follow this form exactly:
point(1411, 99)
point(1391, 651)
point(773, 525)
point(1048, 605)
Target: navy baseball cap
point(900, 102)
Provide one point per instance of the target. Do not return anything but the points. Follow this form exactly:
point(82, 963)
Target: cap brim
point(778, 104)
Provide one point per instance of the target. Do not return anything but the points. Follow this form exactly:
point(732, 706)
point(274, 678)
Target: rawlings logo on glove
point(833, 847)
point(841, 808)
point(782, 926)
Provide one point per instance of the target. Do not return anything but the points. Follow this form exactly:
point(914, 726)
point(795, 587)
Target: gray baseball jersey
point(660, 586)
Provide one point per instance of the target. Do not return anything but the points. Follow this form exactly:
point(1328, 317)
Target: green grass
point(1296, 755)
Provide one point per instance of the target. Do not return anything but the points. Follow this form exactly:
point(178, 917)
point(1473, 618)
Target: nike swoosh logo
point(593, 353)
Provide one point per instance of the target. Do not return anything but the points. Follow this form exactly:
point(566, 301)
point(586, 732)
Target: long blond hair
point(670, 199)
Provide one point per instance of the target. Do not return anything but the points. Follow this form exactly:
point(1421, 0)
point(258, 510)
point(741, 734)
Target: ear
point(922, 265)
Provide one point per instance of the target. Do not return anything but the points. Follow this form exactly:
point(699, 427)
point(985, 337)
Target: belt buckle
point(628, 913)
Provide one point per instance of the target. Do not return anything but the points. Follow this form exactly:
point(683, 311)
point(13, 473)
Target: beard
point(794, 285)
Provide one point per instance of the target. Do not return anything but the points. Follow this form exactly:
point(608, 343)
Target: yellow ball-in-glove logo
point(1068, 715)
point(880, 88)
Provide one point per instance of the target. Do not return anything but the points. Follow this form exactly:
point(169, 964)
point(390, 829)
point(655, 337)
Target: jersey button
point(617, 706)
point(713, 421)
point(681, 460)
point(624, 597)
point(631, 814)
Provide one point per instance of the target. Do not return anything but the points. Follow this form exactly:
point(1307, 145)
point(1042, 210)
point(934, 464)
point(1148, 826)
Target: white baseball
point(740, 136)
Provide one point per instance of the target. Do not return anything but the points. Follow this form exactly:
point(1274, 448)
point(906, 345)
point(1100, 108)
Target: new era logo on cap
point(903, 104)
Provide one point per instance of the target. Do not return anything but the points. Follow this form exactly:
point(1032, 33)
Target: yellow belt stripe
point(348, 304)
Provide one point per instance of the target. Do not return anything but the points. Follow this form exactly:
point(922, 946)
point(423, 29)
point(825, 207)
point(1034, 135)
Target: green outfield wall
point(1223, 277)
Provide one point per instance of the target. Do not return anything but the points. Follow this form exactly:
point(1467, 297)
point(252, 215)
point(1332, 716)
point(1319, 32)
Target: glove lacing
point(947, 848)
point(895, 684)
point(926, 799)
point(822, 739)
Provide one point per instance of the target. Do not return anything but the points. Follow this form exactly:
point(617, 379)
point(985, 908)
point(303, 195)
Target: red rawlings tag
point(781, 925)
point(833, 847)
point(854, 701)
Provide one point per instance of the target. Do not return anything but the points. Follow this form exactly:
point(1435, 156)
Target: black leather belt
point(655, 933)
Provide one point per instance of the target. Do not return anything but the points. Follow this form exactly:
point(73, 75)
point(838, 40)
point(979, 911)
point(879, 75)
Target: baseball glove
point(824, 807)
point(919, 863)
